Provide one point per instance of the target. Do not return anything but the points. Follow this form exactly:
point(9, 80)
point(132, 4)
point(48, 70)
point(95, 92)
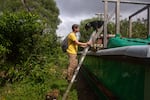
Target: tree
point(24, 39)
point(139, 28)
point(14, 28)
point(25, 5)
point(124, 27)
point(46, 9)
point(17, 31)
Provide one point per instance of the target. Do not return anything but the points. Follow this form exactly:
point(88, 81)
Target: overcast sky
point(73, 11)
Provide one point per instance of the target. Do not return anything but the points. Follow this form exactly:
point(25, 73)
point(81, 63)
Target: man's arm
point(73, 38)
point(82, 44)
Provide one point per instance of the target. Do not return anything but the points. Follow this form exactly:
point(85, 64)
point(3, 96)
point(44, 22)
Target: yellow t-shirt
point(72, 46)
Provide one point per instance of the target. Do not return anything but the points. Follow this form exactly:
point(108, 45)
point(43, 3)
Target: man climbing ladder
point(92, 38)
point(72, 51)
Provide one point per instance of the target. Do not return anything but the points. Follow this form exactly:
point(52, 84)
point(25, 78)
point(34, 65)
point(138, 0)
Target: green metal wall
point(125, 80)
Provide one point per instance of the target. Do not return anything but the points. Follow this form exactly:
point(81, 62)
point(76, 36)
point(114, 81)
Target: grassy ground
point(31, 91)
point(41, 81)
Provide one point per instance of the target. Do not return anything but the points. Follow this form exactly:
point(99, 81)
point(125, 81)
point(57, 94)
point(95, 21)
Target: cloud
point(73, 11)
point(78, 7)
point(65, 27)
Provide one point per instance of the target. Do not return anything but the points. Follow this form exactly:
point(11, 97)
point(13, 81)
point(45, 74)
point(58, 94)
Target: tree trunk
point(25, 5)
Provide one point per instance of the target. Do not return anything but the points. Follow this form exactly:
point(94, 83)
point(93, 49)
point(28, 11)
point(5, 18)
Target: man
point(72, 50)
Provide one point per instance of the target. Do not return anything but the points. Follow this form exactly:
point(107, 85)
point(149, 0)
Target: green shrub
point(18, 29)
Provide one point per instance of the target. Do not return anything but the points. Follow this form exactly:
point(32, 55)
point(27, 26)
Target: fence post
point(118, 17)
point(105, 23)
point(130, 27)
point(148, 20)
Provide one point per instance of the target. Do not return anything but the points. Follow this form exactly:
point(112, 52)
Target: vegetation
point(46, 9)
point(31, 60)
point(139, 28)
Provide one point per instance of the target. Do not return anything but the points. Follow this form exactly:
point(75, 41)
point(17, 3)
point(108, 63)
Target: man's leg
point(73, 62)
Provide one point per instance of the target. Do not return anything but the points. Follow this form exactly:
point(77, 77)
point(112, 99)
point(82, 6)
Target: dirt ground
point(84, 90)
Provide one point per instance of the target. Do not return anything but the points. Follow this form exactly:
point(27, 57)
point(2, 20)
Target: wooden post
point(130, 27)
point(148, 20)
point(118, 17)
point(134, 14)
point(105, 23)
point(131, 2)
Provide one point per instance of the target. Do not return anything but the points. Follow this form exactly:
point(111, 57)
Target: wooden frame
point(148, 21)
point(134, 14)
point(105, 23)
point(130, 17)
point(118, 17)
point(130, 2)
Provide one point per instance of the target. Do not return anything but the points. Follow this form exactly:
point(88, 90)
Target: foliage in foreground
point(41, 81)
point(18, 31)
point(32, 62)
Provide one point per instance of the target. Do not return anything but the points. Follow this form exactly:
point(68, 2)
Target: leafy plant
point(18, 29)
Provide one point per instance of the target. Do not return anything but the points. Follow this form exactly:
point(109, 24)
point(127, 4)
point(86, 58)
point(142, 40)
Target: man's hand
point(89, 43)
point(85, 45)
point(81, 44)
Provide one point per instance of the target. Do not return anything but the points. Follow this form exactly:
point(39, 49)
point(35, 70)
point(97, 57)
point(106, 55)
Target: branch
point(25, 5)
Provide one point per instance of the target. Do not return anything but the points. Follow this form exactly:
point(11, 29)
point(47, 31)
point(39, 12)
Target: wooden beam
point(139, 11)
point(118, 17)
point(148, 20)
point(130, 28)
point(130, 2)
point(105, 23)
point(134, 14)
